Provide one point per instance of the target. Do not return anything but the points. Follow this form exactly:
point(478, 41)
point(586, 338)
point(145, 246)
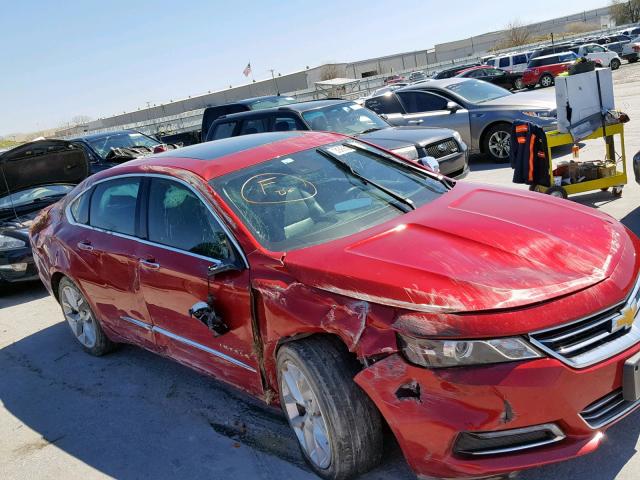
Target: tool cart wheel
point(617, 191)
point(557, 192)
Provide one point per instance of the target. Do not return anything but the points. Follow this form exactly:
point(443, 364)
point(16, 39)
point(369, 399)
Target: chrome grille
point(442, 148)
point(607, 409)
point(590, 340)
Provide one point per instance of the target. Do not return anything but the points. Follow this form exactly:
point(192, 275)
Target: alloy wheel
point(546, 81)
point(500, 144)
point(305, 416)
point(79, 316)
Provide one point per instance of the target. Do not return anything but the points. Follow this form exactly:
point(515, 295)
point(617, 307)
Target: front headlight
point(10, 243)
point(407, 152)
point(457, 136)
point(455, 353)
point(541, 113)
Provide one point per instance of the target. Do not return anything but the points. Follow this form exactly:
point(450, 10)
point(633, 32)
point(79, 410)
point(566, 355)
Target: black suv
point(551, 49)
point(349, 118)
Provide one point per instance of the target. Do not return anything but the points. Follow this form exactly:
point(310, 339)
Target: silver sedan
point(482, 113)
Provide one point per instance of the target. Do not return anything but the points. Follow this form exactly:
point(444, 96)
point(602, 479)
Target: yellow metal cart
point(615, 182)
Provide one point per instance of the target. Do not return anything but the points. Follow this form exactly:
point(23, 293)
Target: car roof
point(94, 136)
point(471, 69)
point(553, 55)
point(213, 159)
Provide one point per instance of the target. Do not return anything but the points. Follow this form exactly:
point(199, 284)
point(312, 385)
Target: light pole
point(275, 82)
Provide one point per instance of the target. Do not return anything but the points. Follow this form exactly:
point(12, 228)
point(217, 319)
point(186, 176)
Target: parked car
point(598, 54)
point(631, 32)
point(256, 103)
point(360, 290)
point(444, 146)
point(502, 78)
point(34, 175)
point(543, 70)
point(551, 49)
point(631, 50)
point(613, 44)
point(480, 112)
point(453, 71)
point(512, 62)
point(394, 79)
point(108, 149)
point(418, 76)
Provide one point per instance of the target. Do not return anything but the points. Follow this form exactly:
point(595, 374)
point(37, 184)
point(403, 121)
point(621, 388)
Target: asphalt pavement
point(135, 415)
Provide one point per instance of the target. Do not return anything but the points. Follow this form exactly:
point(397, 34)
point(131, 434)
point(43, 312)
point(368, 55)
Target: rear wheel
point(546, 80)
point(338, 428)
point(497, 142)
point(518, 84)
point(633, 59)
point(81, 320)
point(615, 64)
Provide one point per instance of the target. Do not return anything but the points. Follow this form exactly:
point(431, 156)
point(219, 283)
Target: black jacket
point(528, 154)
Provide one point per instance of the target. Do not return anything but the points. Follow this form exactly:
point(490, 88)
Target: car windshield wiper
point(345, 166)
point(369, 130)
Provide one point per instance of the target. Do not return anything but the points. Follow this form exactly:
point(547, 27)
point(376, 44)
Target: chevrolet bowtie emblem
point(626, 318)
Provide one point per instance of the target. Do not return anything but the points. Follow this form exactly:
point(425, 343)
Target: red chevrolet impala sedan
point(491, 329)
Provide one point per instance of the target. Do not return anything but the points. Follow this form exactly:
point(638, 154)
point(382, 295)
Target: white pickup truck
point(599, 54)
point(631, 51)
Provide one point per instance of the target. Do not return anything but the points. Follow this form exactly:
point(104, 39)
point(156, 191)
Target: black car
point(423, 144)
point(257, 103)
point(551, 49)
point(33, 176)
point(453, 71)
point(502, 78)
point(108, 149)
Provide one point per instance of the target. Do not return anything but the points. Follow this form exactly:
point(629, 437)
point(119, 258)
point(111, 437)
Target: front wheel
point(615, 64)
point(81, 320)
point(338, 427)
point(546, 80)
point(497, 142)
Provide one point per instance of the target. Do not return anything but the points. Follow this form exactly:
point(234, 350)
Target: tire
point(81, 320)
point(530, 87)
point(496, 142)
point(546, 80)
point(518, 84)
point(322, 368)
point(557, 192)
point(616, 191)
point(614, 64)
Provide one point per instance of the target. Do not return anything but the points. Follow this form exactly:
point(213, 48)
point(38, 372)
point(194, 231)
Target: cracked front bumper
point(488, 399)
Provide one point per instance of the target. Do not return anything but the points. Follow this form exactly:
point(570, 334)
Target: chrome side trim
point(204, 348)
point(223, 225)
point(558, 435)
point(186, 341)
point(138, 323)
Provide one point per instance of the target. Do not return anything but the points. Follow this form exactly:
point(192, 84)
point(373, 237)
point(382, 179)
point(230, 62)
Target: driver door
point(183, 238)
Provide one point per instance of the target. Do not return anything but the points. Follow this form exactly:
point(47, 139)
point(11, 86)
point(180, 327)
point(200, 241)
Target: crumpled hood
point(398, 137)
point(473, 249)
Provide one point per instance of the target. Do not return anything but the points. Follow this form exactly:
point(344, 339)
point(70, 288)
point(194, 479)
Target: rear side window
point(567, 57)
point(80, 208)
point(416, 102)
point(113, 205)
point(223, 130)
point(519, 59)
point(285, 124)
point(504, 62)
point(177, 218)
point(384, 104)
point(254, 125)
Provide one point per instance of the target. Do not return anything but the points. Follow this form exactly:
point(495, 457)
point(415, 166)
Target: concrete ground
point(131, 414)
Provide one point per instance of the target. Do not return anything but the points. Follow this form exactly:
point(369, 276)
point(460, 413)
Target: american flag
point(247, 71)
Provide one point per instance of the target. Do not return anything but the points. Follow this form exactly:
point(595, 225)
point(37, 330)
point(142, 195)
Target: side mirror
point(220, 267)
point(384, 116)
point(453, 107)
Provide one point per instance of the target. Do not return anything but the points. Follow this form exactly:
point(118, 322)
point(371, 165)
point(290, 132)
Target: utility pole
point(552, 38)
point(275, 81)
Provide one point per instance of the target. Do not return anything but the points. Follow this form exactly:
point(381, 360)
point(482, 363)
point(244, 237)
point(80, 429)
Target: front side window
point(223, 130)
point(346, 118)
point(416, 102)
point(177, 218)
point(286, 124)
point(504, 62)
point(519, 59)
point(312, 197)
point(113, 205)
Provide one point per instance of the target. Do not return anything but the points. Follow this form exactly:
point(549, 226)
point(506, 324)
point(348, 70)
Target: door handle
point(149, 263)
point(85, 246)
point(415, 122)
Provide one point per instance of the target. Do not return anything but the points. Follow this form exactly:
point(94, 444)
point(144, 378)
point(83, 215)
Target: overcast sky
point(98, 58)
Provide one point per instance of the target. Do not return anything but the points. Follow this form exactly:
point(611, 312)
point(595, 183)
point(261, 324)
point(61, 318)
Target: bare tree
point(516, 34)
point(625, 12)
point(80, 119)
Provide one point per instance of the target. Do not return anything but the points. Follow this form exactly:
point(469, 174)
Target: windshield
point(34, 195)
point(271, 102)
point(310, 197)
point(103, 145)
point(477, 91)
point(346, 118)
